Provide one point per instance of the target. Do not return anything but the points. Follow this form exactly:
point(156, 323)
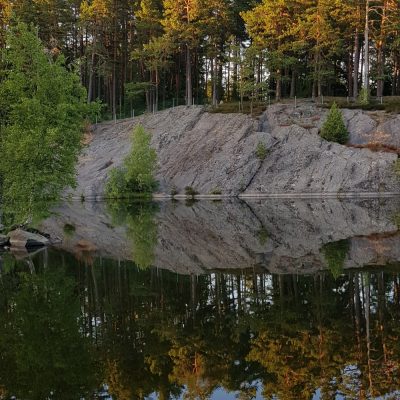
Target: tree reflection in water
point(68, 326)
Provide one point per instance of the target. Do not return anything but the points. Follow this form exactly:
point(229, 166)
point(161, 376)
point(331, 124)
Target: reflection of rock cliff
point(282, 236)
point(217, 152)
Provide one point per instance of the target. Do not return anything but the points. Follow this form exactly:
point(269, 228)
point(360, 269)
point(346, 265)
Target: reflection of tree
point(156, 331)
point(335, 255)
point(138, 217)
point(41, 347)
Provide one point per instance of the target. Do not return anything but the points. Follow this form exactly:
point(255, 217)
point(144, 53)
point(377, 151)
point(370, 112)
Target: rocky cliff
point(216, 153)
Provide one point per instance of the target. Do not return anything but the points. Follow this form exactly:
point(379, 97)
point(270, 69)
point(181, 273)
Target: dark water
point(284, 300)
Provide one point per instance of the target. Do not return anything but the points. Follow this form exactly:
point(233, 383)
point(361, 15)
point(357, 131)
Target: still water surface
point(228, 300)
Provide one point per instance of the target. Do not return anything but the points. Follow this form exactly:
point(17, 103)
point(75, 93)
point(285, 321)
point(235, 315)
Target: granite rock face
point(216, 153)
point(365, 127)
point(301, 162)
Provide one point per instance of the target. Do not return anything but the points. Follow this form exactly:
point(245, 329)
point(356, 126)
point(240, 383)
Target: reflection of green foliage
point(42, 110)
point(141, 225)
point(335, 254)
point(190, 202)
point(262, 236)
point(137, 173)
point(261, 151)
point(397, 220)
point(42, 348)
point(69, 230)
point(7, 263)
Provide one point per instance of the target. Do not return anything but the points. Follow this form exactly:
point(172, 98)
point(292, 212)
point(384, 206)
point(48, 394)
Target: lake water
point(274, 299)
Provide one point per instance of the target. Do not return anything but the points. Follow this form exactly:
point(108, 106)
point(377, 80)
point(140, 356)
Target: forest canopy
point(155, 53)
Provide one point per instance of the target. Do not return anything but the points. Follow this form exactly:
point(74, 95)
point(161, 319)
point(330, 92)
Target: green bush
point(334, 128)
point(216, 192)
point(261, 151)
point(189, 191)
point(363, 97)
point(136, 176)
point(117, 186)
point(397, 167)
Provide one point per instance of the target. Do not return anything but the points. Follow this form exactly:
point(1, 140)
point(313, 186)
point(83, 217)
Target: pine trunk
point(366, 48)
point(356, 66)
point(189, 93)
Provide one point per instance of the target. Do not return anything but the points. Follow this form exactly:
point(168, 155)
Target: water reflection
point(283, 236)
point(141, 228)
point(68, 326)
point(264, 299)
point(43, 353)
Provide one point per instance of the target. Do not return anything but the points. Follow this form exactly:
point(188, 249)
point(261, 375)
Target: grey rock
point(388, 132)
point(211, 152)
point(365, 127)
point(300, 162)
point(360, 126)
point(21, 238)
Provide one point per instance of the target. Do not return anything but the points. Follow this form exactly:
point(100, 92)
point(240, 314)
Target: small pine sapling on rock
point(334, 129)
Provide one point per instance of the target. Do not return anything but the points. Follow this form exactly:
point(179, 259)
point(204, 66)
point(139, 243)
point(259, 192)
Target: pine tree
point(334, 128)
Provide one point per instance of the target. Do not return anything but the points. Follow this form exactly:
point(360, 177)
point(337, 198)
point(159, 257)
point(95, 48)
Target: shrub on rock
point(334, 128)
point(136, 176)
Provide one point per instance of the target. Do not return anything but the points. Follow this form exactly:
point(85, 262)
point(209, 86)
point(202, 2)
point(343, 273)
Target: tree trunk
point(293, 84)
point(278, 88)
point(366, 48)
point(156, 93)
point(356, 66)
point(91, 71)
point(214, 73)
point(395, 75)
point(350, 68)
point(380, 71)
point(189, 93)
point(235, 72)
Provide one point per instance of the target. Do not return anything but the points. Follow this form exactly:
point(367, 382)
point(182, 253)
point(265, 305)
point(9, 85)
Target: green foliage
point(174, 191)
point(136, 176)
point(261, 151)
point(397, 167)
point(364, 97)
point(335, 254)
point(334, 128)
point(116, 186)
point(216, 192)
point(189, 191)
point(42, 112)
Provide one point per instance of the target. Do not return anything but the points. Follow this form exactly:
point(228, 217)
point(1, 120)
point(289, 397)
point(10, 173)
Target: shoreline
point(314, 195)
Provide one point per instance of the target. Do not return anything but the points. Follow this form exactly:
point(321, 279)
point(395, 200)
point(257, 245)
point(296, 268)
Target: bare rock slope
point(216, 153)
